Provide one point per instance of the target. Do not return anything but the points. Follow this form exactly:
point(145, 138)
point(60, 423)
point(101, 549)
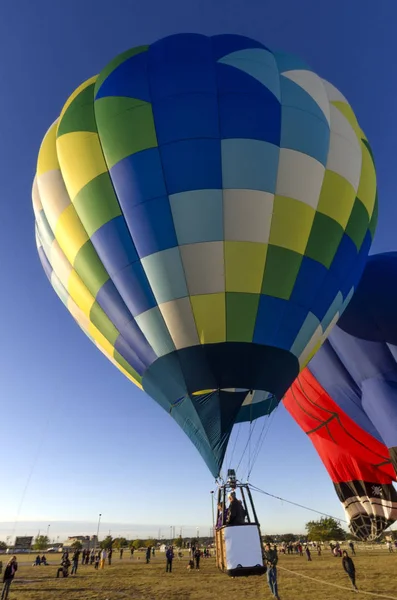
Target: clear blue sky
point(77, 438)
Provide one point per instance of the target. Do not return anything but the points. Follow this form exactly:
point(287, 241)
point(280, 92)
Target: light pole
point(198, 534)
point(213, 512)
point(48, 532)
point(170, 534)
point(97, 532)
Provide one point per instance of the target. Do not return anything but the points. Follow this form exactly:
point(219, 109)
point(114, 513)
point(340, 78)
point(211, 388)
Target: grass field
point(376, 573)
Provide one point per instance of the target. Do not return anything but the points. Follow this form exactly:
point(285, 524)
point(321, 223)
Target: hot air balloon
point(358, 463)
point(204, 208)
point(346, 401)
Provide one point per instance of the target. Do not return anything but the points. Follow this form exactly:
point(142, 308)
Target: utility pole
point(97, 532)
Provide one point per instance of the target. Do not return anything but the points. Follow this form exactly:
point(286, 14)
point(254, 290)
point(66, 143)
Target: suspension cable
point(30, 475)
point(323, 514)
point(267, 422)
point(246, 445)
point(238, 429)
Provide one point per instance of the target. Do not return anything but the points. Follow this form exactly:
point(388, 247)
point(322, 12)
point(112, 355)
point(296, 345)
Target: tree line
point(325, 529)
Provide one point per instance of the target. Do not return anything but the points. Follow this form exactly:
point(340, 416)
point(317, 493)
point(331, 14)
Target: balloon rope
point(234, 445)
point(256, 489)
point(267, 421)
point(341, 587)
point(246, 445)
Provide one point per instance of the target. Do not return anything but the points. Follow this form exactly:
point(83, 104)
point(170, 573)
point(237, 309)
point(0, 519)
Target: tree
point(268, 539)
point(41, 542)
point(325, 530)
point(178, 542)
point(137, 544)
point(287, 538)
point(107, 542)
point(3, 546)
point(120, 542)
point(77, 545)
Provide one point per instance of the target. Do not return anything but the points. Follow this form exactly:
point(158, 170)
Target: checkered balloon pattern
point(204, 209)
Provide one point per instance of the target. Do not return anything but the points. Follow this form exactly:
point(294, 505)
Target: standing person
point(236, 512)
point(308, 554)
point(92, 557)
point(349, 567)
point(110, 552)
point(271, 559)
point(132, 551)
point(148, 553)
point(104, 556)
point(153, 551)
point(97, 559)
point(121, 553)
point(319, 549)
point(75, 562)
point(169, 555)
point(390, 547)
point(82, 557)
point(222, 516)
point(351, 545)
point(8, 576)
point(197, 556)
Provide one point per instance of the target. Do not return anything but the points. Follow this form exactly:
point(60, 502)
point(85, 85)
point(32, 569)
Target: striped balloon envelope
point(204, 208)
point(346, 401)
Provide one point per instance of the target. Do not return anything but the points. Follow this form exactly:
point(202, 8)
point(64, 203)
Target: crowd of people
point(94, 557)
point(99, 558)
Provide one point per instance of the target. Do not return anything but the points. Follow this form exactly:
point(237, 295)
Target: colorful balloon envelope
point(346, 401)
point(358, 463)
point(204, 209)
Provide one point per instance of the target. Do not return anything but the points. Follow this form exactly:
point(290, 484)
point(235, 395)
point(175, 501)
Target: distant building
point(87, 542)
point(23, 543)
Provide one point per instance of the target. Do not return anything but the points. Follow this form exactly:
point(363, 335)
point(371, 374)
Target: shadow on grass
point(44, 590)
